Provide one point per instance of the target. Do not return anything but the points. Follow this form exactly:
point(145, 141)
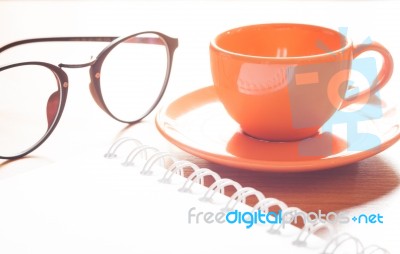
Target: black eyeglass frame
point(94, 72)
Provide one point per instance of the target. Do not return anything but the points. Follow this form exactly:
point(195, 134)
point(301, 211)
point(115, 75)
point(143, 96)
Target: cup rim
point(336, 52)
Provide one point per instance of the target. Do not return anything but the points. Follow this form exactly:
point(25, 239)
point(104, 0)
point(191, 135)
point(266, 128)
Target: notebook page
point(102, 207)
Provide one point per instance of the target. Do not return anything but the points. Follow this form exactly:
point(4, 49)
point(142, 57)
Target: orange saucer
point(198, 123)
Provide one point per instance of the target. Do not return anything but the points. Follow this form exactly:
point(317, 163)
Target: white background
point(195, 23)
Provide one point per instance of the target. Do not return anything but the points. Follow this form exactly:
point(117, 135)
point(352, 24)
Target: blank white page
point(103, 207)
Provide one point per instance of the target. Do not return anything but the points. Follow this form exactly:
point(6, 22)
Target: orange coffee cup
point(282, 82)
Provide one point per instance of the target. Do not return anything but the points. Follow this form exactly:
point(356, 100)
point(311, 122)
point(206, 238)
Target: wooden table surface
point(369, 186)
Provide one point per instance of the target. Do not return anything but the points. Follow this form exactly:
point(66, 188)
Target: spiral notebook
point(136, 202)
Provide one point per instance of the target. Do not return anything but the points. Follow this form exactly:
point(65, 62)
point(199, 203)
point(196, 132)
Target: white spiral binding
point(140, 150)
point(157, 157)
point(267, 203)
point(219, 186)
point(198, 177)
point(375, 249)
point(177, 168)
point(310, 229)
point(336, 242)
point(240, 195)
point(111, 153)
point(264, 206)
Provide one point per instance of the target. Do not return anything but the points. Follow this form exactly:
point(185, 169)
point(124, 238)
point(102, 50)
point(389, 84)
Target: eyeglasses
point(128, 79)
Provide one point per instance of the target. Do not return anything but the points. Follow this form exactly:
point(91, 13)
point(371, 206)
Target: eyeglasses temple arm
point(147, 40)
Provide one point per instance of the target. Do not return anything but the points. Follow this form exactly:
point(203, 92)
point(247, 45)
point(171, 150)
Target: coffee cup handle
point(382, 78)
